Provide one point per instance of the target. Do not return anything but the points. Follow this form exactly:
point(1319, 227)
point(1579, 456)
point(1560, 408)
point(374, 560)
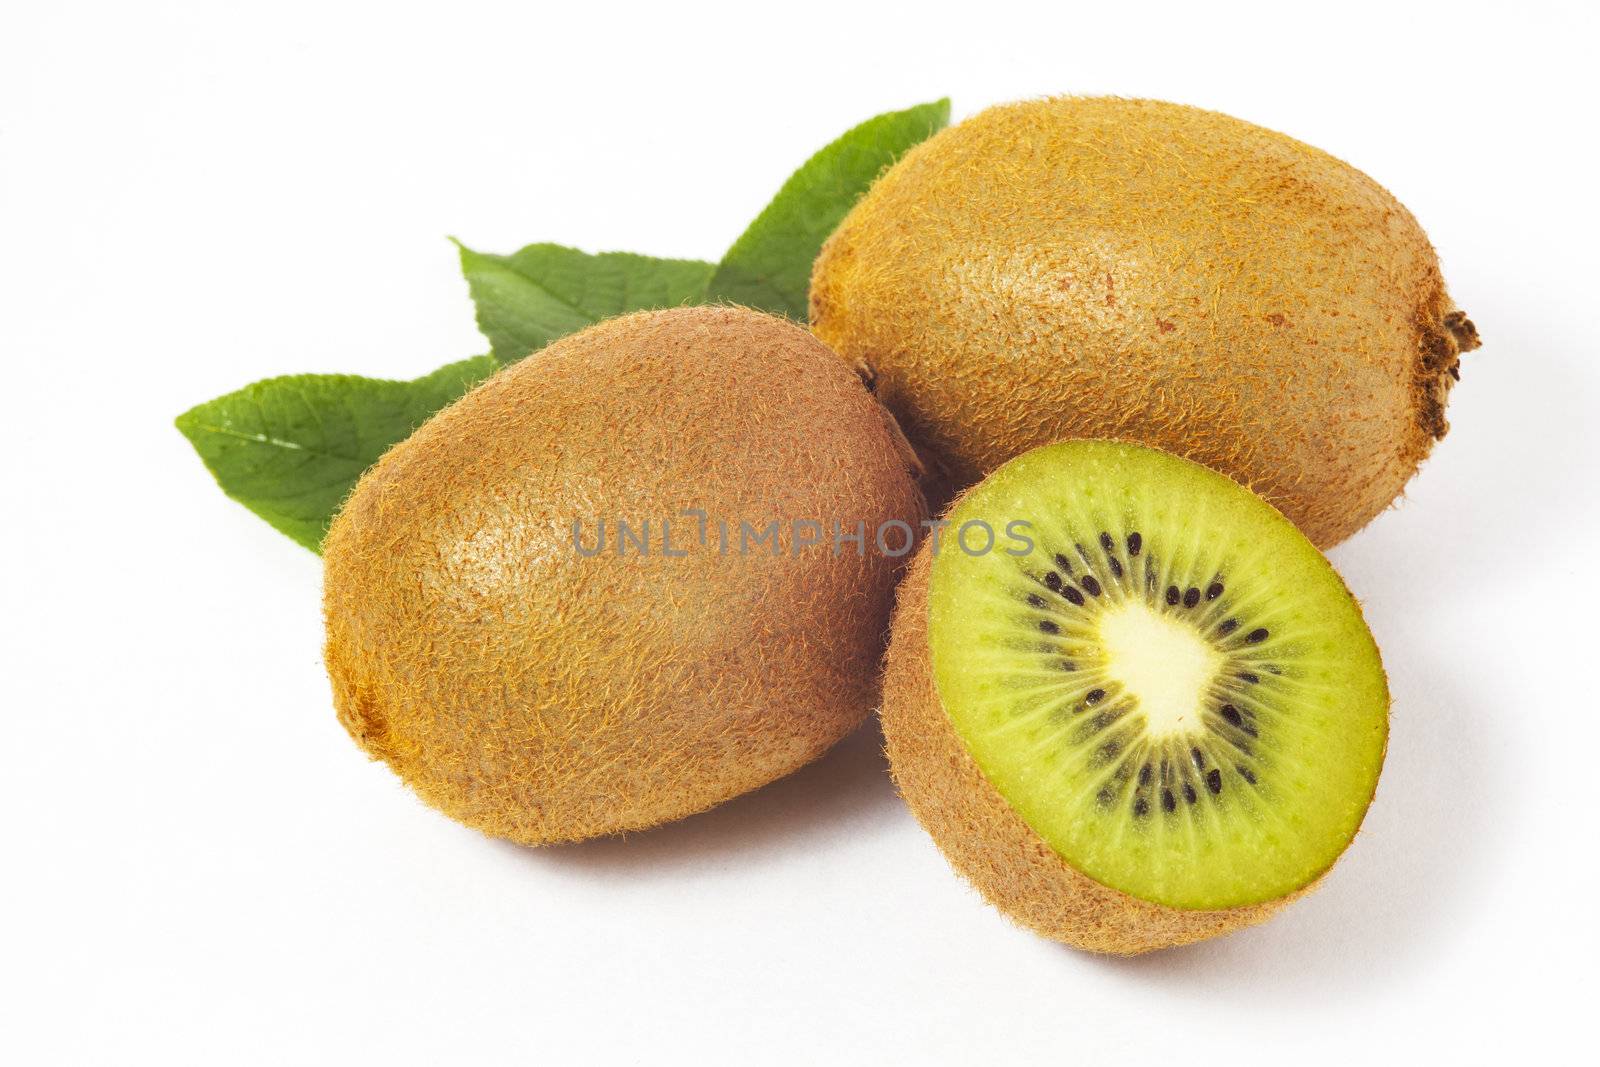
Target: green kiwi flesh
point(1171, 686)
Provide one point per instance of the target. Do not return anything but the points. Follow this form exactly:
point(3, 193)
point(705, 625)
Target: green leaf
point(290, 449)
point(530, 298)
point(769, 266)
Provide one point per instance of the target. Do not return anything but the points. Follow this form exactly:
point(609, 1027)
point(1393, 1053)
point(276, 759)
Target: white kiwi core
point(1163, 663)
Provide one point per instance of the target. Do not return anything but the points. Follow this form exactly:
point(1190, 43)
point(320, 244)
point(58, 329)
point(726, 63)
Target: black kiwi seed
point(1116, 568)
point(1049, 627)
point(1214, 590)
point(1092, 587)
point(1035, 600)
point(1063, 562)
point(1253, 679)
point(1168, 801)
point(1094, 696)
point(1105, 797)
point(1173, 596)
point(1135, 542)
point(1141, 807)
point(1106, 542)
point(1191, 598)
point(1144, 775)
point(1053, 580)
point(1246, 773)
point(1199, 760)
point(1189, 795)
point(1067, 665)
point(1072, 595)
point(1256, 636)
point(1227, 626)
point(1214, 780)
point(1231, 713)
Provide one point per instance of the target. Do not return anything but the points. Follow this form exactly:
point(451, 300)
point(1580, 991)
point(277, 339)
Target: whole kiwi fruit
point(1101, 267)
point(1129, 700)
point(602, 590)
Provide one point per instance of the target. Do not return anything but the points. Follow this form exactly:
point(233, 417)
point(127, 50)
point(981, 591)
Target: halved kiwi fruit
point(1129, 700)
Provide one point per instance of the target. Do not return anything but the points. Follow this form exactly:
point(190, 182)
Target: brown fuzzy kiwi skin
point(984, 838)
point(543, 697)
point(1102, 267)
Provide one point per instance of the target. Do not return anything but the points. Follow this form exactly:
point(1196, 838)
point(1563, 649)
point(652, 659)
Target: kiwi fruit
point(601, 591)
point(1098, 267)
point(1129, 700)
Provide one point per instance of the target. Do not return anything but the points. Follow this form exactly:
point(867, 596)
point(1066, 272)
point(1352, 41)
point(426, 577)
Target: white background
point(201, 868)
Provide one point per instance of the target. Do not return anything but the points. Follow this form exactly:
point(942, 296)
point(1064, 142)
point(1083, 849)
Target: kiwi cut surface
point(1162, 678)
